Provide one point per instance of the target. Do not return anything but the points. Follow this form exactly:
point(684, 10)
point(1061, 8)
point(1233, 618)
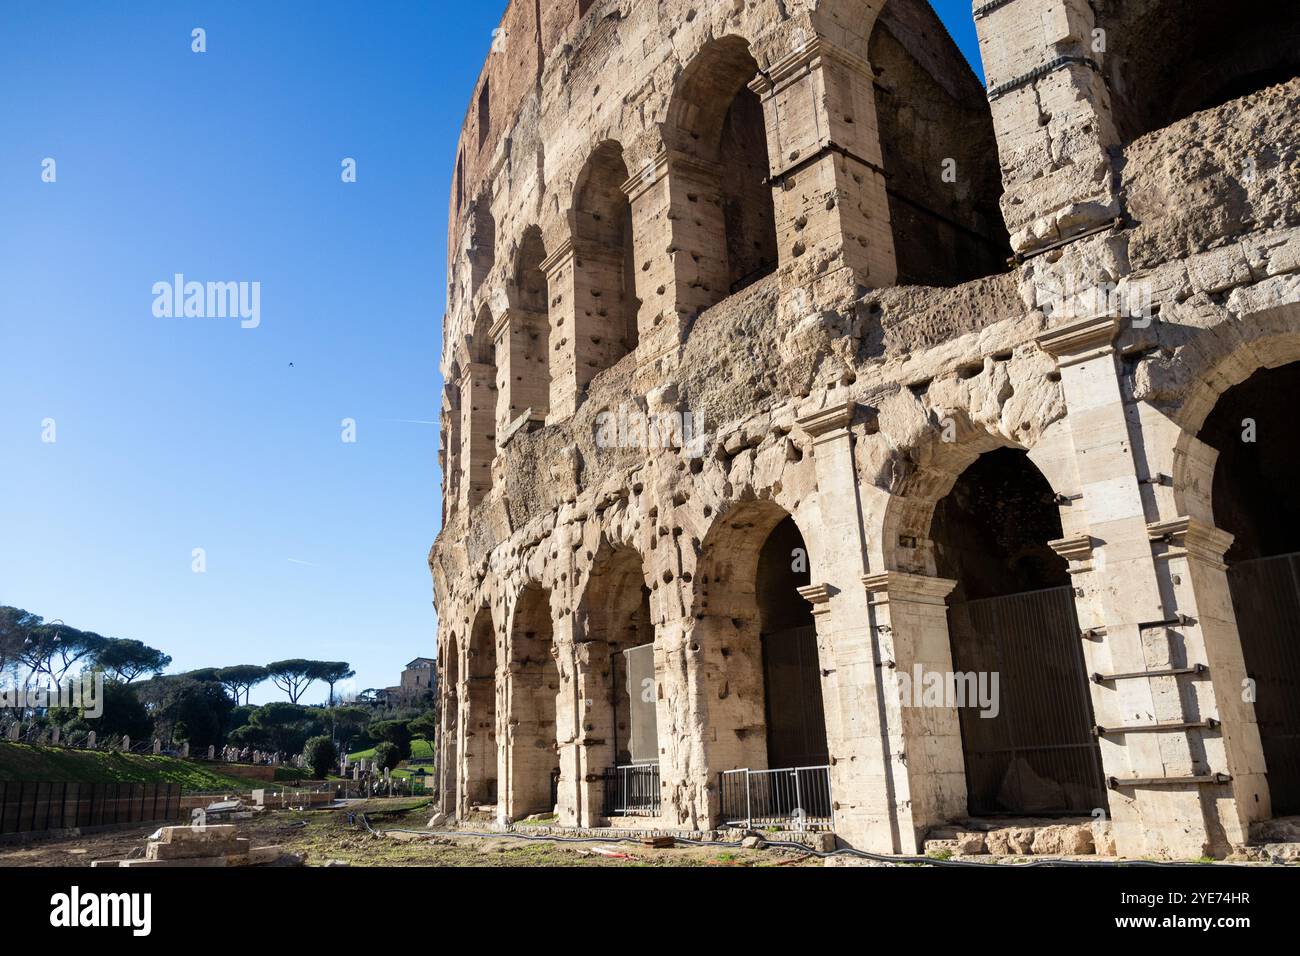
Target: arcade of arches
point(961, 545)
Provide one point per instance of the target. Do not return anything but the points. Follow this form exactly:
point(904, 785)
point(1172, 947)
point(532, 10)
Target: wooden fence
point(37, 807)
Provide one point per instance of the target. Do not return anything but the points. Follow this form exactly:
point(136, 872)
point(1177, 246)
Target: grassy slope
point(420, 750)
point(55, 765)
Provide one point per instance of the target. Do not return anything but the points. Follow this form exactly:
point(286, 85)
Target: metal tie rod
point(1167, 672)
point(1208, 724)
point(1209, 779)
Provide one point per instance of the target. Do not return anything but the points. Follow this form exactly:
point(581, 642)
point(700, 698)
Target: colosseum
point(835, 441)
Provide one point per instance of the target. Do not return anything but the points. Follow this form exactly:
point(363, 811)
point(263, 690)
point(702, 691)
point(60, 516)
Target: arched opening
point(759, 650)
point(939, 150)
point(717, 120)
point(451, 724)
point(481, 714)
point(620, 684)
point(1167, 59)
point(532, 753)
point(792, 688)
point(1027, 734)
point(605, 303)
point(482, 244)
point(1253, 429)
point(531, 340)
point(478, 410)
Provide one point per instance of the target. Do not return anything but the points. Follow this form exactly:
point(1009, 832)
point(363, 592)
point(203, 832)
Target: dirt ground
point(326, 835)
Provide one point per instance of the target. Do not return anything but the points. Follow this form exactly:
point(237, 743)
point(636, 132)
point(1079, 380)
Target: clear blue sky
point(181, 433)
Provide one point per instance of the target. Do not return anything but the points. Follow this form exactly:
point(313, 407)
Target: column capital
point(818, 595)
point(473, 369)
point(1077, 549)
point(1079, 340)
point(562, 256)
point(652, 173)
point(886, 586)
point(500, 326)
point(1198, 539)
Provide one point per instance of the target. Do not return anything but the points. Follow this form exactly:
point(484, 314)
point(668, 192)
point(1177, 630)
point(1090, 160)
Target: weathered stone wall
point(829, 393)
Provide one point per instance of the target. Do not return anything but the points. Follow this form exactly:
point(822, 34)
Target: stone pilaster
point(1052, 115)
point(568, 725)
point(595, 742)
point(927, 769)
point(832, 212)
point(680, 262)
point(862, 768)
point(559, 269)
point(478, 431)
point(1168, 775)
point(523, 384)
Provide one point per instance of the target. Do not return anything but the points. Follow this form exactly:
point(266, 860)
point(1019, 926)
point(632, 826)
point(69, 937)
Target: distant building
point(418, 680)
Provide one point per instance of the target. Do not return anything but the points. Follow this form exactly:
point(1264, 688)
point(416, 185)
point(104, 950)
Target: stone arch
point(756, 650)
point(478, 391)
point(717, 137)
point(605, 305)
point(529, 334)
point(1028, 742)
point(983, 515)
point(532, 689)
point(481, 712)
point(930, 455)
point(1233, 474)
point(1167, 59)
point(614, 617)
point(938, 149)
point(482, 243)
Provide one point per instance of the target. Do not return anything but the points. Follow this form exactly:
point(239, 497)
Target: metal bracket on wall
point(1208, 724)
point(1208, 779)
point(1168, 672)
point(1178, 620)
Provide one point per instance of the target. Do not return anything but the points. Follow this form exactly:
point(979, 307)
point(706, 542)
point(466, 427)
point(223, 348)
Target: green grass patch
point(420, 750)
point(24, 762)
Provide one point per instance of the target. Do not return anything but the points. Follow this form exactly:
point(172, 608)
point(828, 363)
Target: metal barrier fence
point(632, 791)
point(797, 798)
point(37, 807)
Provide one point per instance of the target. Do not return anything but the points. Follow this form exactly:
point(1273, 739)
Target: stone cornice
point(1077, 549)
point(651, 174)
point(1080, 339)
point(477, 368)
point(818, 595)
point(802, 59)
point(1198, 539)
point(886, 586)
point(826, 421)
point(500, 327)
point(562, 256)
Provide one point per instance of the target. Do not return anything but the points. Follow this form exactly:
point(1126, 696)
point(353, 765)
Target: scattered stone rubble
point(205, 846)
